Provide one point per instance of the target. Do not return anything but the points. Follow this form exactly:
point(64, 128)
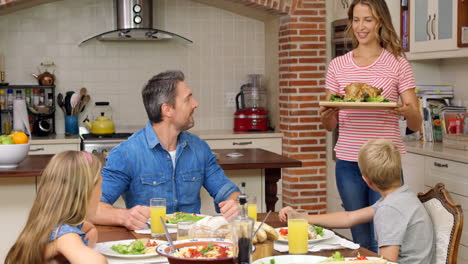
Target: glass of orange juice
point(252, 207)
point(297, 232)
point(158, 209)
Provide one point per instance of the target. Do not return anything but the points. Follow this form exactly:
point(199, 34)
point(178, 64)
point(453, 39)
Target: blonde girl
point(377, 60)
point(56, 230)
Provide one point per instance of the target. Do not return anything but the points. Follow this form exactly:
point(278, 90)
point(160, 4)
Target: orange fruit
point(20, 138)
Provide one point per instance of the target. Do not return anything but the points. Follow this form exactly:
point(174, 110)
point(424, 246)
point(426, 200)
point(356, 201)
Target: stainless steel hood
point(135, 22)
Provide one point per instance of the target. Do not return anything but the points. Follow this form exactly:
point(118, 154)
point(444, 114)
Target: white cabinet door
point(413, 171)
point(17, 196)
point(433, 25)
point(270, 144)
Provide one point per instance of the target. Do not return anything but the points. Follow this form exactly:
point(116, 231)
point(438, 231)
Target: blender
point(251, 113)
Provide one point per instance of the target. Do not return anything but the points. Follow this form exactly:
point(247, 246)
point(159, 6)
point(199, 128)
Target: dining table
point(115, 233)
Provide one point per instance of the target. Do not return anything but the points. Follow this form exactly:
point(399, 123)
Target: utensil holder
point(71, 125)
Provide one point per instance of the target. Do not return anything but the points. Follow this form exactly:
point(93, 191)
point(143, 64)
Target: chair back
point(447, 219)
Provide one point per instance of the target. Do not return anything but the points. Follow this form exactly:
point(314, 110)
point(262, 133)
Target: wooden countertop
point(33, 165)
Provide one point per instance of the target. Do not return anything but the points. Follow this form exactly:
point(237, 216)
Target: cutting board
point(360, 105)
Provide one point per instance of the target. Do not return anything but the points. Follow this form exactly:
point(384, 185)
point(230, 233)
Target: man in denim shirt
point(162, 160)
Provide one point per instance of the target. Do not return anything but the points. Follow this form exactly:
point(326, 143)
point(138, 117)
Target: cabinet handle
point(440, 165)
point(242, 143)
point(427, 27)
point(347, 3)
point(343, 4)
point(38, 149)
point(432, 27)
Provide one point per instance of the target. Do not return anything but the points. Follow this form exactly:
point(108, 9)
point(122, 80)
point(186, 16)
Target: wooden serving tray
point(361, 105)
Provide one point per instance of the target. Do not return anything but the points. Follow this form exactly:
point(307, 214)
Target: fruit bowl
point(12, 155)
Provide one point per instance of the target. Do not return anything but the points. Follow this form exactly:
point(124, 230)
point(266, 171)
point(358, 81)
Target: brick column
point(302, 59)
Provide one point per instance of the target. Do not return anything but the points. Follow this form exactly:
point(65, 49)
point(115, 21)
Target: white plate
point(327, 235)
point(234, 155)
point(105, 249)
point(286, 259)
point(373, 258)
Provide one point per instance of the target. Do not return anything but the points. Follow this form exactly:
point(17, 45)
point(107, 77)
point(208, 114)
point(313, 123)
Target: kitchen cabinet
point(17, 196)
point(53, 144)
point(433, 25)
point(412, 173)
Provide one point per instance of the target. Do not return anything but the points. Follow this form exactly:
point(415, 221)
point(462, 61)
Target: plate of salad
point(338, 258)
point(315, 233)
point(132, 248)
point(173, 219)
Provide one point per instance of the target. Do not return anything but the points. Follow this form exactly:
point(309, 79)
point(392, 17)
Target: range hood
point(135, 22)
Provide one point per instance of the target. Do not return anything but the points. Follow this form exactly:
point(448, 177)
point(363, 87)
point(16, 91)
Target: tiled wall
point(226, 48)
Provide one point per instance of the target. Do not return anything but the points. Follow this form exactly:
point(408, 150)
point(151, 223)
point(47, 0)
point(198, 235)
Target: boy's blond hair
point(379, 161)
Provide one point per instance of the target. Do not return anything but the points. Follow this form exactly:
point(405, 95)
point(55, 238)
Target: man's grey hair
point(161, 89)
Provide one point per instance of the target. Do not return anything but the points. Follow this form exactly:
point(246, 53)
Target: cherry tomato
point(361, 258)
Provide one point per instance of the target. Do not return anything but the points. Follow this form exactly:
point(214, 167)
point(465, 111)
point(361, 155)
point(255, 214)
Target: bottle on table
point(242, 231)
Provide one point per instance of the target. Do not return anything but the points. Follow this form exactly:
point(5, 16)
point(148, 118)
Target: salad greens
point(335, 257)
point(181, 216)
point(135, 248)
point(208, 248)
point(340, 98)
point(272, 261)
point(318, 229)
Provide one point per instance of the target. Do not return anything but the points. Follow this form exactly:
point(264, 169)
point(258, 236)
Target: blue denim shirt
point(140, 169)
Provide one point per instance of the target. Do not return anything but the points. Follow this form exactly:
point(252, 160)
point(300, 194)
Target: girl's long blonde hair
point(62, 198)
point(386, 34)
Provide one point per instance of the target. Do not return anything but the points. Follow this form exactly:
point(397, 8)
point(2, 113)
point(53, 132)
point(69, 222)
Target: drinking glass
point(183, 229)
point(158, 209)
point(297, 232)
point(252, 207)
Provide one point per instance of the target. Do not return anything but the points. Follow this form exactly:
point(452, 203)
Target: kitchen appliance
point(251, 113)
point(102, 114)
point(102, 144)
point(134, 20)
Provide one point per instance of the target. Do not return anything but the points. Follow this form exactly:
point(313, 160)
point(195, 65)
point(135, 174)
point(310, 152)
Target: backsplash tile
point(226, 48)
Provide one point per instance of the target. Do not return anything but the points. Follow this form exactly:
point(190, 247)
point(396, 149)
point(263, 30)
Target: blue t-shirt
point(140, 169)
point(65, 229)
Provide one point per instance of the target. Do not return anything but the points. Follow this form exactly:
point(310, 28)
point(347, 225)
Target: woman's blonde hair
point(63, 196)
point(386, 34)
point(379, 161)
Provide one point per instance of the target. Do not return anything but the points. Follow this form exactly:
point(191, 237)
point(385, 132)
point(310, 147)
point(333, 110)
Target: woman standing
point(377, 60)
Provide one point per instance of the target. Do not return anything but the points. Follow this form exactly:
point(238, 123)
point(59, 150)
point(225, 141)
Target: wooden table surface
point(113, 233)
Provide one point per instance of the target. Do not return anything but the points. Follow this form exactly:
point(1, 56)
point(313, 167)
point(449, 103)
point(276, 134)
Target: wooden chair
point(447, 218)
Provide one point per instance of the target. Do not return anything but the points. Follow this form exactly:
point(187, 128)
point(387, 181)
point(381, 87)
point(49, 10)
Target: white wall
point(456, 71)
point(226, 48)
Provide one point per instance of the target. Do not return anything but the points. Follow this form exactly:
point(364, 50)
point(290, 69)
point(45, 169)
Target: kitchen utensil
point(85, 101)
point(74, 101)
point(60, 102)
point(45, 78)
point(168, 236)
point(260, 226)
point(67, 102)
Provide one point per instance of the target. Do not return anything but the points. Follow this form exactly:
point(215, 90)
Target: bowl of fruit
point(14, 149)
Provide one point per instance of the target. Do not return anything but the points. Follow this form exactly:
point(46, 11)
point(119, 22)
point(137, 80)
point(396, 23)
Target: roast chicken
point(358, 90)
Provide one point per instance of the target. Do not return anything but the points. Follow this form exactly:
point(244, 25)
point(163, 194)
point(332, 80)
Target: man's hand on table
point(136, 217)
point(229, 209)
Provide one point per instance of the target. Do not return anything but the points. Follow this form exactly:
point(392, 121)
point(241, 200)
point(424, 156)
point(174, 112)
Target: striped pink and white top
point(393, 75)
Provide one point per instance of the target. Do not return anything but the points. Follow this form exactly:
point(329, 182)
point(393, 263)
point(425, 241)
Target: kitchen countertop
point(436, 150)
point(56, 139)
